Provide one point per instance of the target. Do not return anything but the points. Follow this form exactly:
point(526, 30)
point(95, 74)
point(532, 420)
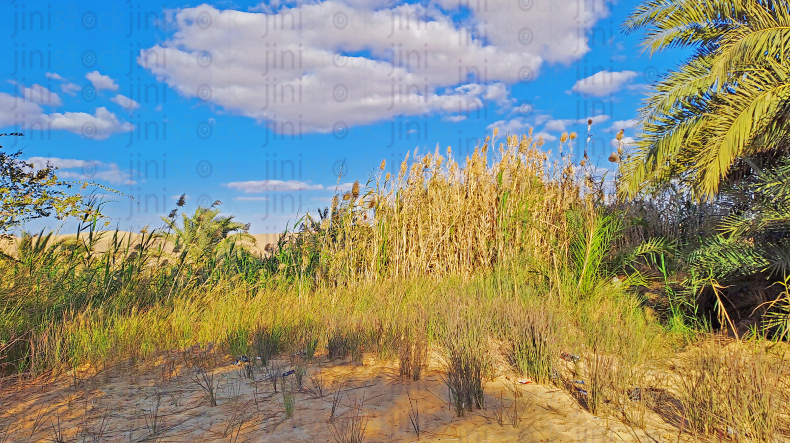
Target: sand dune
point(8, 246)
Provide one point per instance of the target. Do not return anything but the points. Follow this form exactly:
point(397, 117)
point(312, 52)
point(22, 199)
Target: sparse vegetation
point(551, 284)
point(666, 294)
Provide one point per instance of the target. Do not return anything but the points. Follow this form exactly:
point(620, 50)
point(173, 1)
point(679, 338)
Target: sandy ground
point(161, 401)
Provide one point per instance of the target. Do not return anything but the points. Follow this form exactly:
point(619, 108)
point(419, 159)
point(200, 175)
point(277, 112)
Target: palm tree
point(204, 238)
point(200, 234)
point(716, 129)
point(724, 111)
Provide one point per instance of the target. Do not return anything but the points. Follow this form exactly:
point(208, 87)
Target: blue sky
point(260, 104)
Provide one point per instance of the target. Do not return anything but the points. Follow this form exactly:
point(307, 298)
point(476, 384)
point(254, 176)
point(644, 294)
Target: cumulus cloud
point(327, 66)
point(251, 199)
point(99, 126)
point(125, 102)
point(39, 95)
point(546, 136)
point(70, 88)
point(85, 170)
point(603, 83)
point(514, 126)
point(454, 118)
point(258, 186)
point(627, 141)
point(101, 81)
point(67, 87)
point(14, 111)
point(623, 124)
point(561, 125)
point(343, 187)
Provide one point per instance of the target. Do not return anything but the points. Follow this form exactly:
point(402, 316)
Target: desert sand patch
point(163, 401)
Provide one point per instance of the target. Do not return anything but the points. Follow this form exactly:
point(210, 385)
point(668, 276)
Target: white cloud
point(556, 125)
point(70, 88)
point(15, 111)
point(542, 118)
point(603, 83)
point(514, 126)
point(550, 30)
point(623, 124)
point(343, 187)
point(258, 186)
point(454, 118)
point(561, 125)
point(85, 170)
point(98, 126)
point(627, 141)
point(546, 136)
point(251, 199)
point(345, 64)
point(101, 81)
point(498, 93)
point(67, 87)
point(40, 95)
point(125, 102)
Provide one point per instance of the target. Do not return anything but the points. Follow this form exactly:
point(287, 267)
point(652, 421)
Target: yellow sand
point(119, 405)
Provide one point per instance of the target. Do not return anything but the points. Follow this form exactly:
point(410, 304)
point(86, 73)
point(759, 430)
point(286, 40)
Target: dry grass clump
point(531, 339)
point(735, 390)
point(467, 359)
point(411, 342)
point(440, 217)
point(266, 342)
point(350, 427)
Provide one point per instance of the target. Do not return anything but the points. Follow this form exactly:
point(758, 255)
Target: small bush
point(467, 360)
point(351, 426)
point(238, 342)
point(267, 342)
point(289, 401)
point(736, 390)
point(531, 343)
point(337, 345)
